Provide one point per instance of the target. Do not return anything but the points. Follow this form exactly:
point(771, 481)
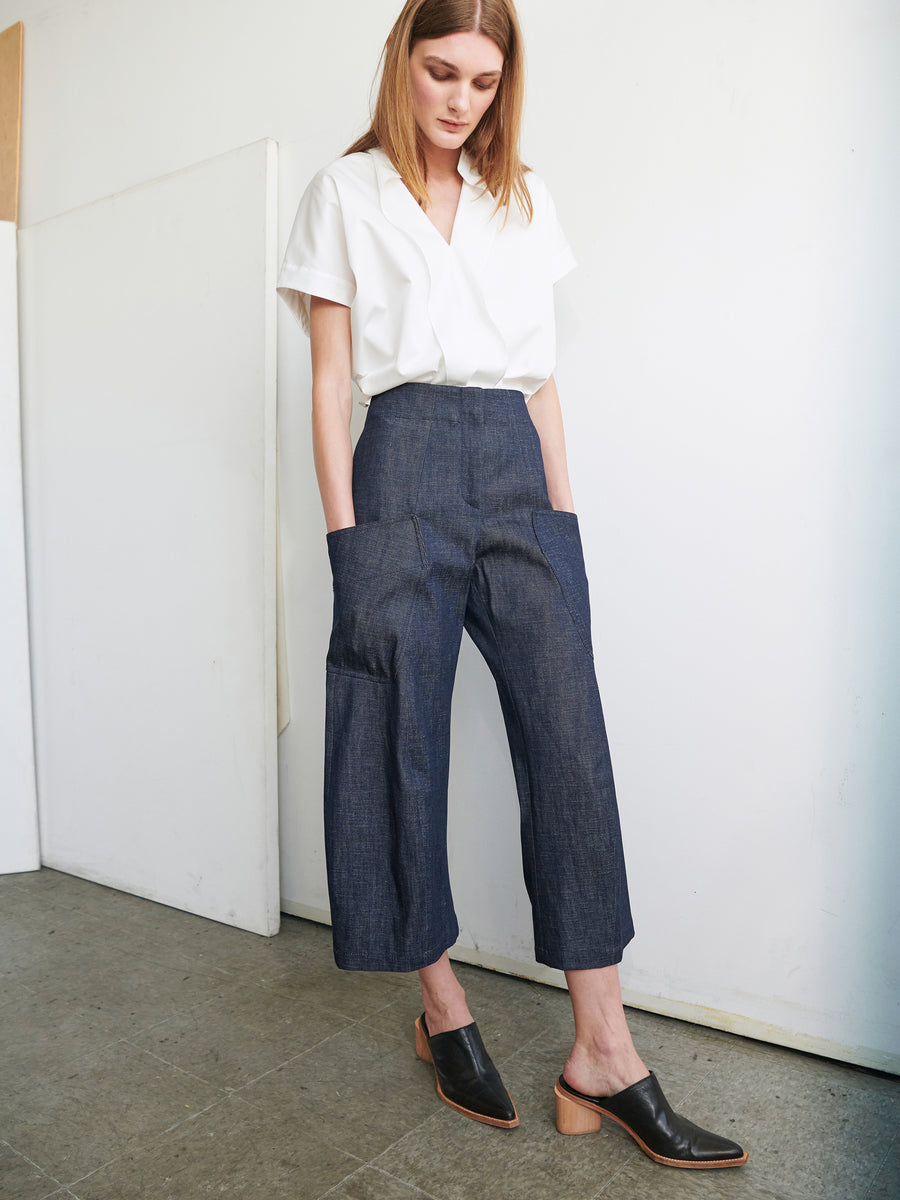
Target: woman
point(422, 265)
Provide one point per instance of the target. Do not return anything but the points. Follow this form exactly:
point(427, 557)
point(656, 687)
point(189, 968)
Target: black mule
point(643, 1111)
point(467, 1079)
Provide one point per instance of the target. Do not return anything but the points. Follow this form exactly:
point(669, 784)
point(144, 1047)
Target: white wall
point(728, 175)
point(19, 849)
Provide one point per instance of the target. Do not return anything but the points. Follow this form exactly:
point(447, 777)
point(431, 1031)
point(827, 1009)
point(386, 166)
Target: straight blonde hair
point(494, 145)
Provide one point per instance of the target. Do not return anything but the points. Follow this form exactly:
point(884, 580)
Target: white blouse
point(474, 312)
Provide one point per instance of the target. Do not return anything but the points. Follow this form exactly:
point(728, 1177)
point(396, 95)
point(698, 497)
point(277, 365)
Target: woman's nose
point(459, 100)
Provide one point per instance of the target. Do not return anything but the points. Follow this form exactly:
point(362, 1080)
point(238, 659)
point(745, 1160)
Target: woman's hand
point(332, 404)
point(544, 410)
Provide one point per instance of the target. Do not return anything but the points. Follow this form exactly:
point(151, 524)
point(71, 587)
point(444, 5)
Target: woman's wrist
point(563, 502)
point(339, 518)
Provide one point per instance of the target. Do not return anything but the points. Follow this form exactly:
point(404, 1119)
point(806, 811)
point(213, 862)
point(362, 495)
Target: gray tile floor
point(147, 1054)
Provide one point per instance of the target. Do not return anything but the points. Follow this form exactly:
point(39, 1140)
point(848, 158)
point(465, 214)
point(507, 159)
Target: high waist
point(455, 530)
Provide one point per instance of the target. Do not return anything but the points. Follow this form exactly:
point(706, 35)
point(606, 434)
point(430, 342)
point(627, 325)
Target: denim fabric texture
point(455, 530)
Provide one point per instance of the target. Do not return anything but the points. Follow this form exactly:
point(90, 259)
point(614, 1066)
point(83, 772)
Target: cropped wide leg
point(455, 530)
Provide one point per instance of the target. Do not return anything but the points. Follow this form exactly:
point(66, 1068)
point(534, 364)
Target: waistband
point(449, 404)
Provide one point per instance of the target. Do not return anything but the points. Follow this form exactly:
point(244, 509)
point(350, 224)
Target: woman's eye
point(485, 87)
point(439, 78)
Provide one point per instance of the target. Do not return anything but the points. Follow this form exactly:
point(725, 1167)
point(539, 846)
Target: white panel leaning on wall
point(150, 452)
point(19, 849)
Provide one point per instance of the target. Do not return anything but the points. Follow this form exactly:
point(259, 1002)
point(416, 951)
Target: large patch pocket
point(377, 569)
point(560, 540)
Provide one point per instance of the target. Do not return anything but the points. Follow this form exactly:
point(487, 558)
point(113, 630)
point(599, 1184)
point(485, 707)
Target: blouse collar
point(474, 225)
point(386, 170)
point(466, 168)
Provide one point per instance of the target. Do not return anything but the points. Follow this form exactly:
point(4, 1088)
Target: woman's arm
point(547, 417)
point(332, 404)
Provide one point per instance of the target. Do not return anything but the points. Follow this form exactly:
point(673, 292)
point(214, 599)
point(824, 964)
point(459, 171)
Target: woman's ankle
point(603, 1070)
point(444, 998)
point(441, 1018)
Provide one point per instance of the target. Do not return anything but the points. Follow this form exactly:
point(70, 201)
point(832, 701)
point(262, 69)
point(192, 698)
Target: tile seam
point(340, 1183)
point(294, 1057)
point(272, 991)
point(405, 1182)
point(20, 1154)
point(66, 1065)
point(435, 1116)
point(175, 1067)
point(880, 1166)
point(143, 1145)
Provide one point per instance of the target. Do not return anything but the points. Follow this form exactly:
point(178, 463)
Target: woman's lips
point(452, 124)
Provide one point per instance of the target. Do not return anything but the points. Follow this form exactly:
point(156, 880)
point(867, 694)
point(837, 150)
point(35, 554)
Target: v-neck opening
point(466, 199)
point(448, 242)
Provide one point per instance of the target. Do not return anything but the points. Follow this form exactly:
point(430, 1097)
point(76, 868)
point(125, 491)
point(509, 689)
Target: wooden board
point(10, 119)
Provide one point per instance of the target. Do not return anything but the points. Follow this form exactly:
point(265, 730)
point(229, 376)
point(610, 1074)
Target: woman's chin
point(447, 139)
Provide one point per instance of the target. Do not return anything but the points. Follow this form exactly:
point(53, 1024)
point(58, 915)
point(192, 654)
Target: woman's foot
point(605, 1077)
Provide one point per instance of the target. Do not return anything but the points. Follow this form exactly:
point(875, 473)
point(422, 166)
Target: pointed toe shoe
point(643, 1111)
point(467, 1079)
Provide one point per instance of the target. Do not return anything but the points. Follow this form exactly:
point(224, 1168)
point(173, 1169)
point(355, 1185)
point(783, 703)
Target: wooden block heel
point(423, 1050)
point(572, 1117)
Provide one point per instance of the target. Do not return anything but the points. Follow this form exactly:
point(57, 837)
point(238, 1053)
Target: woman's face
point(454, 80)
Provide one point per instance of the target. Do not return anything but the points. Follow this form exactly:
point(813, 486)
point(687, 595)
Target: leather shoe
point(467, 1079)
point(643, 1111)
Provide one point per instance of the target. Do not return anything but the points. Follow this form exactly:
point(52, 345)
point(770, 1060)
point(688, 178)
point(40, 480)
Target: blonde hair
point(494, 145)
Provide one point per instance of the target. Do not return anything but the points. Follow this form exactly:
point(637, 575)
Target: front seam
point(535, 900)
point(423, 549)
point(576, 619)
point(424, 459)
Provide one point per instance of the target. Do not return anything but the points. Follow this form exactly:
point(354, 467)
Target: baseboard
point(696, 1014)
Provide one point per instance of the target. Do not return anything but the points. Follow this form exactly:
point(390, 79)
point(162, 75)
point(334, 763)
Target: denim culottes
point(455, 530)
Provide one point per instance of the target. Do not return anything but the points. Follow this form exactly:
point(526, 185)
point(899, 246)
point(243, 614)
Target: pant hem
point(403, 966)
point(581, 962)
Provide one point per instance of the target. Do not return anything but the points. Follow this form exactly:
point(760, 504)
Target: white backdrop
point(729, 178)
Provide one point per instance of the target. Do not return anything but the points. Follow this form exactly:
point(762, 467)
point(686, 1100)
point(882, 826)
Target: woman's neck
point(440, 164)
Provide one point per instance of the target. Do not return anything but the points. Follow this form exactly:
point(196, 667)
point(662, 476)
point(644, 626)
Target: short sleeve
point(556, 245)
point(562, 260)
point(316, 262)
